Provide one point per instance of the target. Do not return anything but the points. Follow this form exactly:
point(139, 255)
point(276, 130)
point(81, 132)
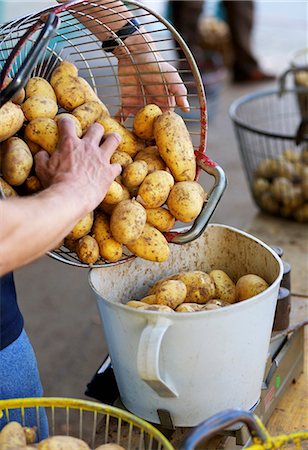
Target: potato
point(20, 95)
point(280, 187)
point(304, 187)
point(38, 86)
point(224, 286)
point(268, 203)
point(87, 113)
point(91, 96)
point(70, 244)
point(151, 156)
point(304, 155)
point(293, 197)
point(16, 162)
point(149, 300)
point(114, 194)
point(11, 120)
point(211, 306)
point(35, 107)
point(69, 92)
point(101, 228)
point(216, 302)
point(110, 447)
point(76, 121)
point(301, 213)
point(271, 168)
point(33, 184)
point(171, 293)
point(82, 228)
point(155, 189)
point(43, 132)
point(129, 142)
point(65, 68)
point(249, 285)
point(291, 155)
point(62, 443)
point(127, 221)
point(175, 146)
point(12, 437)
point(186, 200)
point(8, 191)
point(30, 434)
point(189, 307)
point(105, 208)
point(87, 250)
point(121, 158)
point(136, 304)
point(134, 174)
point(143, 125)
point(160, 218)
point(260, 185)
point(200, 286)
point(110, 250)
point(151, 245)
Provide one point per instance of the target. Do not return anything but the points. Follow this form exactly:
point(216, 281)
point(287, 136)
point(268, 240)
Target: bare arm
point(77, 177)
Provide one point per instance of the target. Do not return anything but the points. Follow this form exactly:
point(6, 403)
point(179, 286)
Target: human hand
point(80, 165)
point(142, 71)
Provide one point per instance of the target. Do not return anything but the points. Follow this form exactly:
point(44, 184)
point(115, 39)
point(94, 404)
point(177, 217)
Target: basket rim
point(254, 96)
point(87, 405)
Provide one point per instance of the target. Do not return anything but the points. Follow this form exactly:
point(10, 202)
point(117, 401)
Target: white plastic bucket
point(191, 364)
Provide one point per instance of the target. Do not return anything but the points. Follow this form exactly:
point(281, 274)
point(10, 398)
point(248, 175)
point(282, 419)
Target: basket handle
point(209, 207)
point(219, 422)
point(301, 131)
point(283, 77)
point(148, 356)
point(52, 23)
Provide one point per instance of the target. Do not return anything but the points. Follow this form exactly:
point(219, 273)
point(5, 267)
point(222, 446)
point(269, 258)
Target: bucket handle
point(148, 357)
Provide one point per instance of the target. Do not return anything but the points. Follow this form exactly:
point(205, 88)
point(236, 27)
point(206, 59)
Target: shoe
point(254, 76)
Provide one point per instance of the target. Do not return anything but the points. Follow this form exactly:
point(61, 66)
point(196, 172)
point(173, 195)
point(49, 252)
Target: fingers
point(111, 143)
point(41, 159)
point(94, 133)
point(116, 169)
point(178, 89)
point(67, 128)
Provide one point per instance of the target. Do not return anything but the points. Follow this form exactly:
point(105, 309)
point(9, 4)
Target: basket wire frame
point(92, 422)
point(76, 41)
point(266, 126)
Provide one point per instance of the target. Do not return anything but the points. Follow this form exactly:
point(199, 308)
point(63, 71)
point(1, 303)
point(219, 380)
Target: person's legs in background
point(240, 18)
point(19, 378)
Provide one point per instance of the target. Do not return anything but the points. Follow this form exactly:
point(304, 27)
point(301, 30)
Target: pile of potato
point(156, 186)
point(199, 291)
point(280, 185)
point(13, 437)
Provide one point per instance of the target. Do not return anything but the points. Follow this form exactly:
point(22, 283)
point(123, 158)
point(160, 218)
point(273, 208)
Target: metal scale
point(284, 365)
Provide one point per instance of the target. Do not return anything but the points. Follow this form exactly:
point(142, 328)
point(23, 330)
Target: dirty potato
point(249, 285)
point(121, 158)
point(114, 194)
point(87, 250)
point(224, 286)
point(110, 250)
point(186, 200)
point(11, 120)
point(155, 189)
point(171, 293)
point(38, 86)
point(82, 228)
point(33, 184)
point(63, 69)
point(127, 221)
point(87, 113)
point(12, 437)
point(69, 92)
point(62, 443)
point(43, 132)
point(39, 106)
point(134, 174)
point(151, 245)
point(16, 162)
point(189, 307)
point(7, 189)
point(175, 146)
point(160, 218)
point(144, 121)
point(151, 156)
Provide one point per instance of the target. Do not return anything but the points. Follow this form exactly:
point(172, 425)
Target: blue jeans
point(19, 378)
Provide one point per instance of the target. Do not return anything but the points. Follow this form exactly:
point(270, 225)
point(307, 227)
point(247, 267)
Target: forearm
point(30, 226)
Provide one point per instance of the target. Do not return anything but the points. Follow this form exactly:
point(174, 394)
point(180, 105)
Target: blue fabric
point(19, 378)
point(11, 321)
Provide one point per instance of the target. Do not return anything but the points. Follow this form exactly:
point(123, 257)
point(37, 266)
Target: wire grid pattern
point(92, 422)
point(76, 41)
point(266, 125)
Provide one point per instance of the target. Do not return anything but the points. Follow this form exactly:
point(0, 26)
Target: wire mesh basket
point(94, 423)
point(76, 31)
point(260, 438)
point(274, 149)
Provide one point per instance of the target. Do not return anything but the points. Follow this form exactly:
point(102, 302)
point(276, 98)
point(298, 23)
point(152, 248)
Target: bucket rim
point(184, 315)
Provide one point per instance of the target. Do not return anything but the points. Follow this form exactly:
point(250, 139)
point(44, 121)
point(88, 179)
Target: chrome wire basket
point(273, 145)
point(74, 32)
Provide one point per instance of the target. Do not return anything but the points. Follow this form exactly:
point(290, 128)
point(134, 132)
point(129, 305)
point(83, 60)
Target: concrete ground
point(59, 308)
